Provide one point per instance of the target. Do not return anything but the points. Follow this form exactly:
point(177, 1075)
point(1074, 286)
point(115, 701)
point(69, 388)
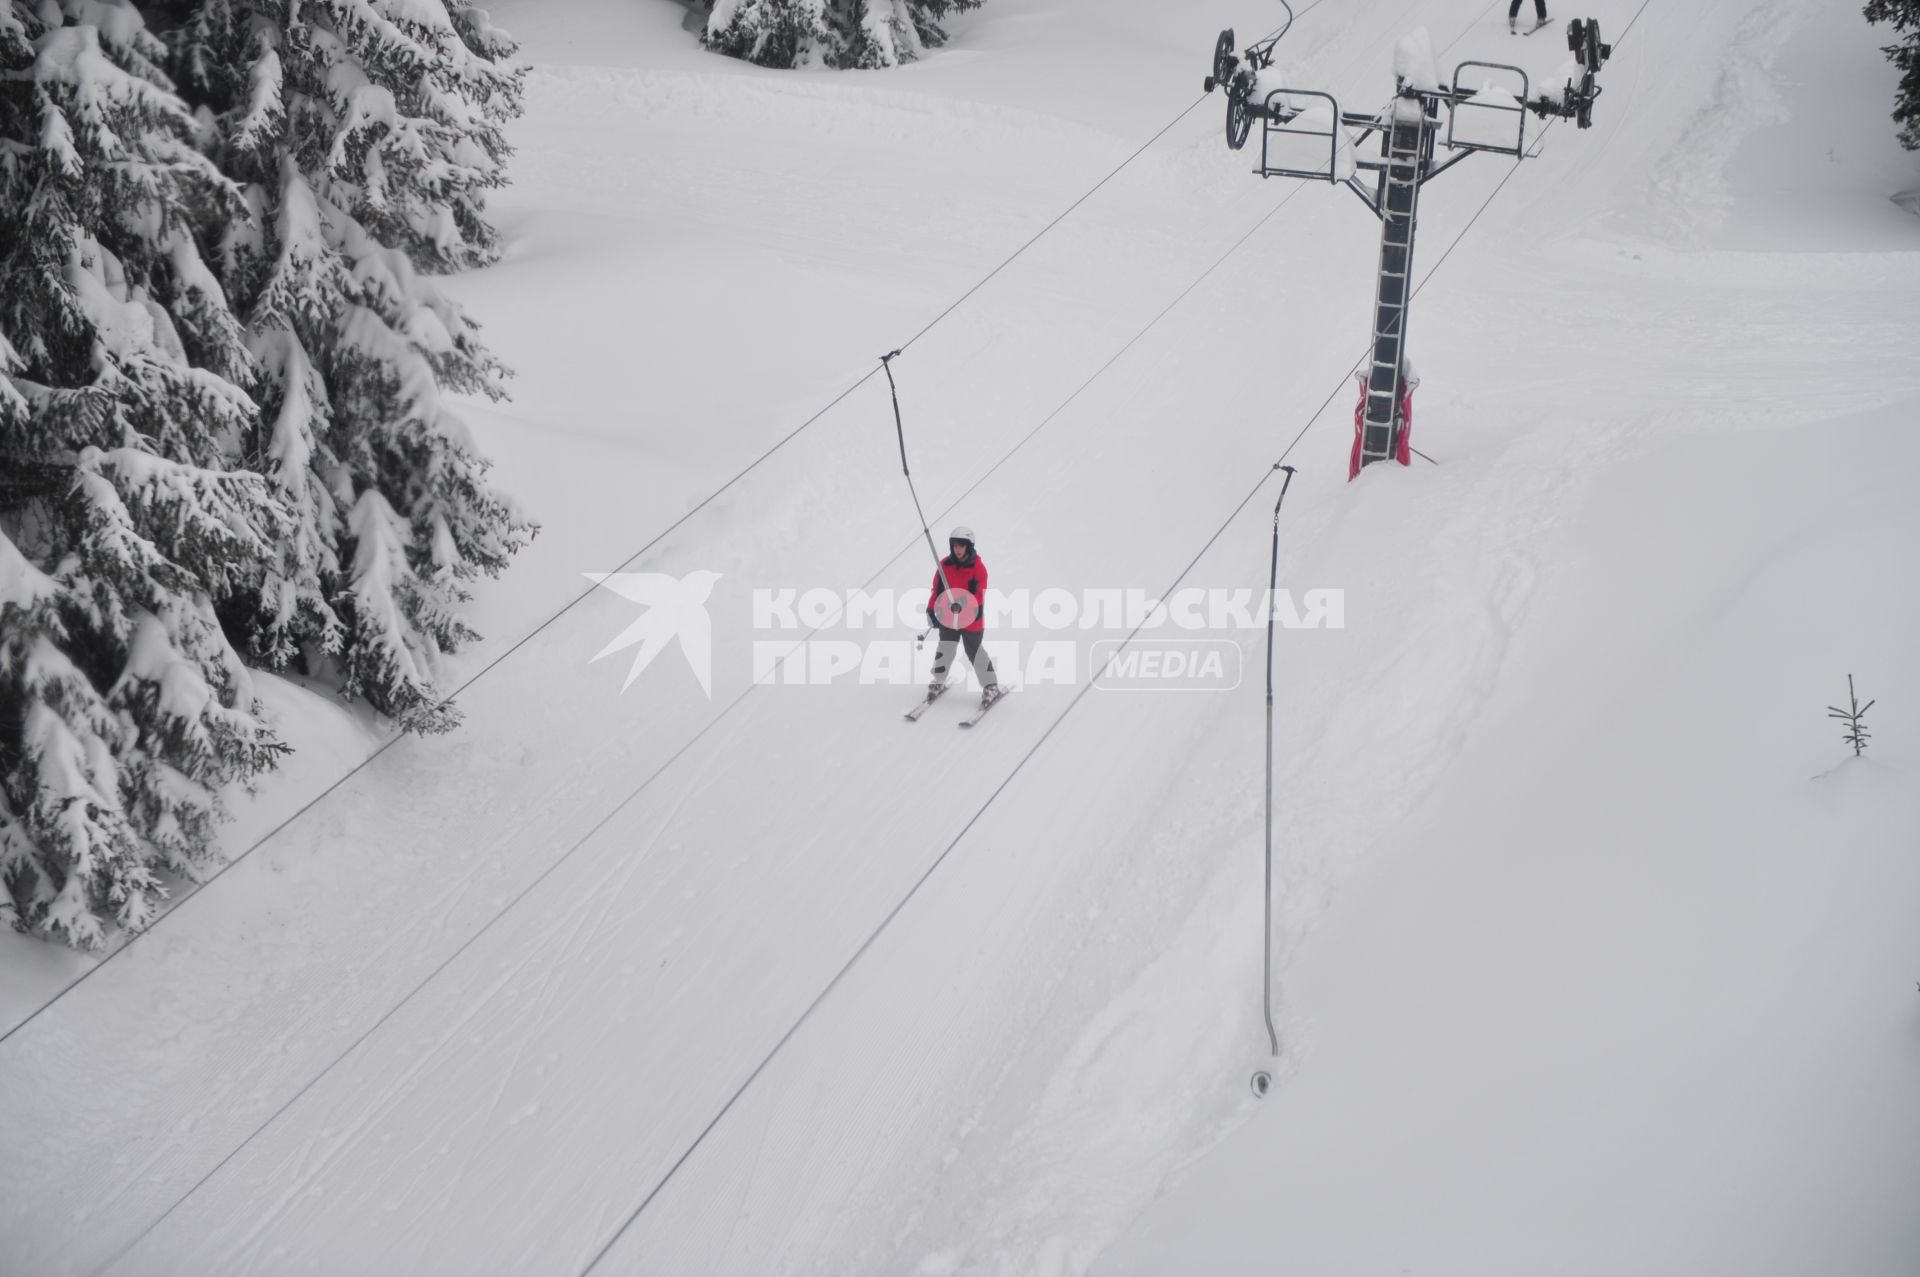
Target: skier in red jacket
point(957, 607)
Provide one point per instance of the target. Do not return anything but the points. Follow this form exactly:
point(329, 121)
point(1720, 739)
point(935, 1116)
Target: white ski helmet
point(961, 533)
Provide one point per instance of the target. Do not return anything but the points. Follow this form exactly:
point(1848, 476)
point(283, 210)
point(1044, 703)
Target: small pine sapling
point(1856, 733)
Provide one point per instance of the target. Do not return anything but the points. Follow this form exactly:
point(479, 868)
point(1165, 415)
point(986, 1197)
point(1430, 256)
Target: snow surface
point(1594, 955)
point(1413, 61)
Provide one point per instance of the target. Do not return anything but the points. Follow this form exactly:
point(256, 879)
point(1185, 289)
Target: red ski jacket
point(965, 608)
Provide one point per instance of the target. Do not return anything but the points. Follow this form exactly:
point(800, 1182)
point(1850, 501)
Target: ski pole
point(1266, 952)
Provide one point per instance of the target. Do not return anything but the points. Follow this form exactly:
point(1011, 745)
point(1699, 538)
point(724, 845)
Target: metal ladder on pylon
point(1407, 147)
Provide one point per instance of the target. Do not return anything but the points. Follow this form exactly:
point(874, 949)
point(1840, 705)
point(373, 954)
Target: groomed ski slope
point(1576, 921)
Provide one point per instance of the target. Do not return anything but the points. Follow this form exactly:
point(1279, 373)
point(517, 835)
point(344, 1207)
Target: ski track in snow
point(1061, 1019)
point(1688, 189)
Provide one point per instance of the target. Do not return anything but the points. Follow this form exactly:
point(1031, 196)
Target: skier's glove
point(931, 618)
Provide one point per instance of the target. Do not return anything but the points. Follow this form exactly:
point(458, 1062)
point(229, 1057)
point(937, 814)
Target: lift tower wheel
point(1223, 61)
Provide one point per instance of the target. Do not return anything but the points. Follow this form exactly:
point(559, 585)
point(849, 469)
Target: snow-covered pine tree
point(836, 33)
point(774, 33)
point(1904, 16)
point(890, 32)
point(364, 133)
point(123, 520)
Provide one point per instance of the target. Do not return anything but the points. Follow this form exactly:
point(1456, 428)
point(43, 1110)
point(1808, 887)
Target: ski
point(1536, 26)
point(913, 715)
point(981, 713)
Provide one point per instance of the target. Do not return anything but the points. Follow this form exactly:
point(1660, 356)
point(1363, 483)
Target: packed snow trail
point(509, 1115)
point(334, 962)
point(498, 651)
point(647, 917)
point(544, 820)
